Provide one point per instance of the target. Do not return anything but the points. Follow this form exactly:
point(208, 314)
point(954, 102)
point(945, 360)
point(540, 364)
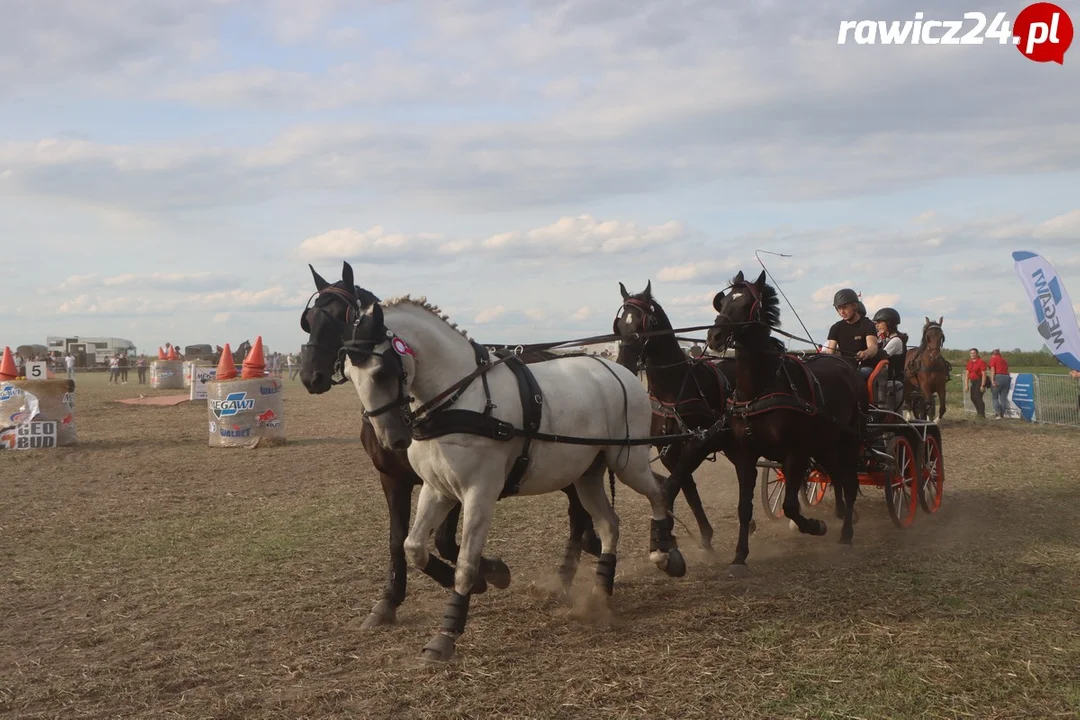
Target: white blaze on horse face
point(735, 295)
point(629, 318)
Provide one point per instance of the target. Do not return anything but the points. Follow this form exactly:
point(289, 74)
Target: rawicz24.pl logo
point(1042, 32)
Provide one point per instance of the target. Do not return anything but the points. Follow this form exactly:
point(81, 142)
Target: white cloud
point(1065, 226)
point(584, 235)
point(488, 315)
point(567, 236)
point(825, 294)
point(879, 300)
point(582, 313)
point(372, 245)
point(1009, 308)
point(221, 318)
point(715, 271)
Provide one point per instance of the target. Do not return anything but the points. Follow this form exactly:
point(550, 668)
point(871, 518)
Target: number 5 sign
point(37, 370)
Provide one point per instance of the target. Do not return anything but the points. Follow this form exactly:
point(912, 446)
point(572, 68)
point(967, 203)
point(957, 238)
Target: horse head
point(933, 337)
point(639, 313)
point(326, 322)
point(749, 307)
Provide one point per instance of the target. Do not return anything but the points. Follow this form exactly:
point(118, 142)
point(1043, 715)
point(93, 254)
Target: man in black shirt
point(854, 337)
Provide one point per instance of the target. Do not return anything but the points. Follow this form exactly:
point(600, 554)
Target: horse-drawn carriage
point(903, 457)
point(583, 417)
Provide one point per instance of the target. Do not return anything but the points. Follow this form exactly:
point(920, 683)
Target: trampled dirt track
point(145, 575)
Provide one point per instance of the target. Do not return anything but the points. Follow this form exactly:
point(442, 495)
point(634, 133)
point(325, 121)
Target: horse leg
point(478, 510)
point(431, 509)
point(681, 461)
point(581, 523)
point(795, 466)
point(941, 394)
point(847, 468)
point(492, 569)
point(398, 501)
point(590, 489)
point(746, 469)
point(639, 477)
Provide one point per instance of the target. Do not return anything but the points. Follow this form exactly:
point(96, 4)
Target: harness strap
point(532, 405)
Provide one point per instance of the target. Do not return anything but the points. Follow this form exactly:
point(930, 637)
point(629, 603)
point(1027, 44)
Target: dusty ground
point(145, 575)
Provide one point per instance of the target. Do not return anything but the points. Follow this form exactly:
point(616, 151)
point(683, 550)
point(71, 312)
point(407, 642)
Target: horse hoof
point(821, 528)
point(480, 585)
point(676, 566)
point(498, 574)
point(738, 570)
point(706, 544)
point(792, 526)
point(384, 613)
point(440, 649)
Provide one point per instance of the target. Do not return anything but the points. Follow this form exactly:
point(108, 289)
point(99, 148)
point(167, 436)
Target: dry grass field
point(146, 575)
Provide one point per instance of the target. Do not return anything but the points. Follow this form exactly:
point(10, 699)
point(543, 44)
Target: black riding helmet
point(888, 316)
point(845, 296)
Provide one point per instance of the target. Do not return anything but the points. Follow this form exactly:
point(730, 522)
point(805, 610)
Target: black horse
point(336, 306)
point(789, 410)
point(687, 393)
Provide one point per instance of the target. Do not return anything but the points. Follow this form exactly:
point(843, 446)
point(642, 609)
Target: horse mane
point(422, 302)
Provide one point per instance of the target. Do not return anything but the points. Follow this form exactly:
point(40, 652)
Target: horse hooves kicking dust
point(439, 649)
point(738, 571)
point(498, 574)
point(384, 613)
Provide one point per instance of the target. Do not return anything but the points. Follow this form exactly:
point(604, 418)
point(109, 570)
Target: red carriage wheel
point(902, 482)
point(772, 492)
point(817, 483)
point(933, 474)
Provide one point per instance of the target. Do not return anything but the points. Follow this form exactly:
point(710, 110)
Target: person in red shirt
point(976, 375)
point(999, 384)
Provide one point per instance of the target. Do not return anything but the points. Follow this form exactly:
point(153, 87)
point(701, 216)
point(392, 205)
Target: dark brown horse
point(926, 373)
point(325, 323)
point(789, 410)
point(687, 393)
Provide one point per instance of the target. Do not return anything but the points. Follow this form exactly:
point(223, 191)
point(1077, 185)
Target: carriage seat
point(884, 393)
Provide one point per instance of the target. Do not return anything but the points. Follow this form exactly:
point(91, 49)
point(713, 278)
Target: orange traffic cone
point(255, 362)
point(161, 354)
point(7, 366)
point(226, 368)
point(172, 354)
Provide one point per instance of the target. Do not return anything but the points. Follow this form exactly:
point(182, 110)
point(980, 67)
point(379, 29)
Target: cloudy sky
point(169, 167)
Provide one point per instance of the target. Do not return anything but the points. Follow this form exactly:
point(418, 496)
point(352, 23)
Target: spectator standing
point(123, 366)
point(114, 369)
point(976, 376)
point(69, 363)
point(140, 365)
point(1000, 380)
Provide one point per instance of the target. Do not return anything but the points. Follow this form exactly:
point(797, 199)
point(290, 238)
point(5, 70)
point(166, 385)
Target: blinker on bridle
point(754, 316)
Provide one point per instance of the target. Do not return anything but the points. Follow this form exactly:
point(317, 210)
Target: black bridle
point(723, 320)
point(649, 322)
point(360, 335)
point(925, 349)
point(361, 346)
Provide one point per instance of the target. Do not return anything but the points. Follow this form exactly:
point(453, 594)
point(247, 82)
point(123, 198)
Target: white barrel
point(246, 413)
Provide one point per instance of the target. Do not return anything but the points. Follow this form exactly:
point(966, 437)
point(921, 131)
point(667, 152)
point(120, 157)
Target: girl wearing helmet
point(887, 321)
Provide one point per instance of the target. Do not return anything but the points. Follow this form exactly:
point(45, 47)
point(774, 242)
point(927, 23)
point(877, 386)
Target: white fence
point(1049, 399)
